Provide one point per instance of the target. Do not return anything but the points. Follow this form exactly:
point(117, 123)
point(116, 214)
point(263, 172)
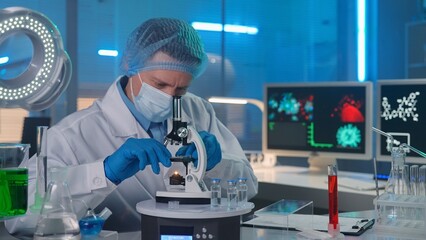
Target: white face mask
point(153, 103)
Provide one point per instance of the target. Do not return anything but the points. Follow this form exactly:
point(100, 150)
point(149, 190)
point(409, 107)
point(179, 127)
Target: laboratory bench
point(298, 183)
point(249, 233)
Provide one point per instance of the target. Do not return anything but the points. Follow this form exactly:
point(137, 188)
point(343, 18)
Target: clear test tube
point(404, 189)
point(422, 180)
point(414, 176)
point(405, 181)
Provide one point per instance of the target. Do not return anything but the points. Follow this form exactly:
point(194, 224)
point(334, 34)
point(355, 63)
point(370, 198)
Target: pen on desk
point(363, 225)
point(369, 224)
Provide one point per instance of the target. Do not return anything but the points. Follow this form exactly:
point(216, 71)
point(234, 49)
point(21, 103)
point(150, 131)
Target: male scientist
point(114, 149)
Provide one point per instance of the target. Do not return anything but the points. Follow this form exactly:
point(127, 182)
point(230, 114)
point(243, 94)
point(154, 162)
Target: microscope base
point(190, 221)
point(183, 197)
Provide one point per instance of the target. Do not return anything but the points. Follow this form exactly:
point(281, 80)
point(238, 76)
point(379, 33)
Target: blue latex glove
point(134, 155)
point(213, 151)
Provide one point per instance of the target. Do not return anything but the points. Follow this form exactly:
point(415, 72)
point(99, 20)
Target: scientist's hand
point(134, 155)
point(213, 150)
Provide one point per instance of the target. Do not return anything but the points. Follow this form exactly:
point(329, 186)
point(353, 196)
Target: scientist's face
point(174, 83)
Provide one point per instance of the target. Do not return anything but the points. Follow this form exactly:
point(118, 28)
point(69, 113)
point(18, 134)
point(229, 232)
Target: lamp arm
point(257, 103)
point(233, 100)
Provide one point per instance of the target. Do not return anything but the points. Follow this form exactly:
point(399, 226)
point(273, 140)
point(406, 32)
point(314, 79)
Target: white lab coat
point(85, 138)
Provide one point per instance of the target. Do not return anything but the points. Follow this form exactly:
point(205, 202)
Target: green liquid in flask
point(13, 192)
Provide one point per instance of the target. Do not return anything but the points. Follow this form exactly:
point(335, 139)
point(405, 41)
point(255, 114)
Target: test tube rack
point(401, 213)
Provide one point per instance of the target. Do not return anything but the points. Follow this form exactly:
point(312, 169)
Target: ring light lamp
point(49, 70)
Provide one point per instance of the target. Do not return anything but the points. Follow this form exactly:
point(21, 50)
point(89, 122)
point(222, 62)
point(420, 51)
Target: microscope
point(188, 189)
point(183, 211)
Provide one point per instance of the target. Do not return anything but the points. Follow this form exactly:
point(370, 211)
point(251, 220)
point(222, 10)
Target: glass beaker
point(13, 180)
point(57, 218)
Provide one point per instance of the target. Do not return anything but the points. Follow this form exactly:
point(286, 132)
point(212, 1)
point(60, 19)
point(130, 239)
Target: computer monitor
point(402, 114)
point(323, 121)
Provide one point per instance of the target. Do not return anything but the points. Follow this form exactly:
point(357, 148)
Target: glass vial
point(57, 218)
point(216, 191)
point(232, 195)
point(242, 191)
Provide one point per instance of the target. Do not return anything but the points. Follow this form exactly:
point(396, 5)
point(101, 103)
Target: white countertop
point(289, 182)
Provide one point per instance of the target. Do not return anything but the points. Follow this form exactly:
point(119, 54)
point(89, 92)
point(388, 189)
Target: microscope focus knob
point(182, 132)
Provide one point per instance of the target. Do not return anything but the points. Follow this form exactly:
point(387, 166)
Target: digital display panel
point(175, 237)
point(330, 119)
point(176, 232)
point(402, 113)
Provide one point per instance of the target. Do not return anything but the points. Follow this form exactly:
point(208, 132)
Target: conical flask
point(57, 217)
point(396, 179)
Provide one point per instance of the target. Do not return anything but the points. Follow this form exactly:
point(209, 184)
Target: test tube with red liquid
point(333, 210)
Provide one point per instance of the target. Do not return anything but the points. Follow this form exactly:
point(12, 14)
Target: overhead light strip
point(108, 53)
point(361, 15)
point(227, 100)
point(217, 27)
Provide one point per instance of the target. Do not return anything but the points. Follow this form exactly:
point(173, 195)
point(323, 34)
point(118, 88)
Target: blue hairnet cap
point(164, 43)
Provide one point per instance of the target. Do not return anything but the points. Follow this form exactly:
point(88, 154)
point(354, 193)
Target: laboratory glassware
point(398, 209)
point(422, 180)
point(405, 181)
point(91, 224)
point(242, 191)
point(333, 211)
point(414, 176)
point(216, 191)
point(395, 181)
point(41, 168)
point(232, 195)
point(13, 179)
point(57, 218)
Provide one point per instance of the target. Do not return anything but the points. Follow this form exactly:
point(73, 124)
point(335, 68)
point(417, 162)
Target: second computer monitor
point(326, 120)
point(402, 114)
